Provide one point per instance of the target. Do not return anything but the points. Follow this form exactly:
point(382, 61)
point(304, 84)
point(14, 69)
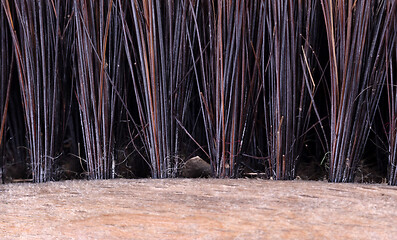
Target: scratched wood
point(197, 209)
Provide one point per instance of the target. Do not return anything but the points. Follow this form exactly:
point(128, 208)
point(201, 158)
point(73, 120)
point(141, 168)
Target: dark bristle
point(254, 88)
point(356, 38)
